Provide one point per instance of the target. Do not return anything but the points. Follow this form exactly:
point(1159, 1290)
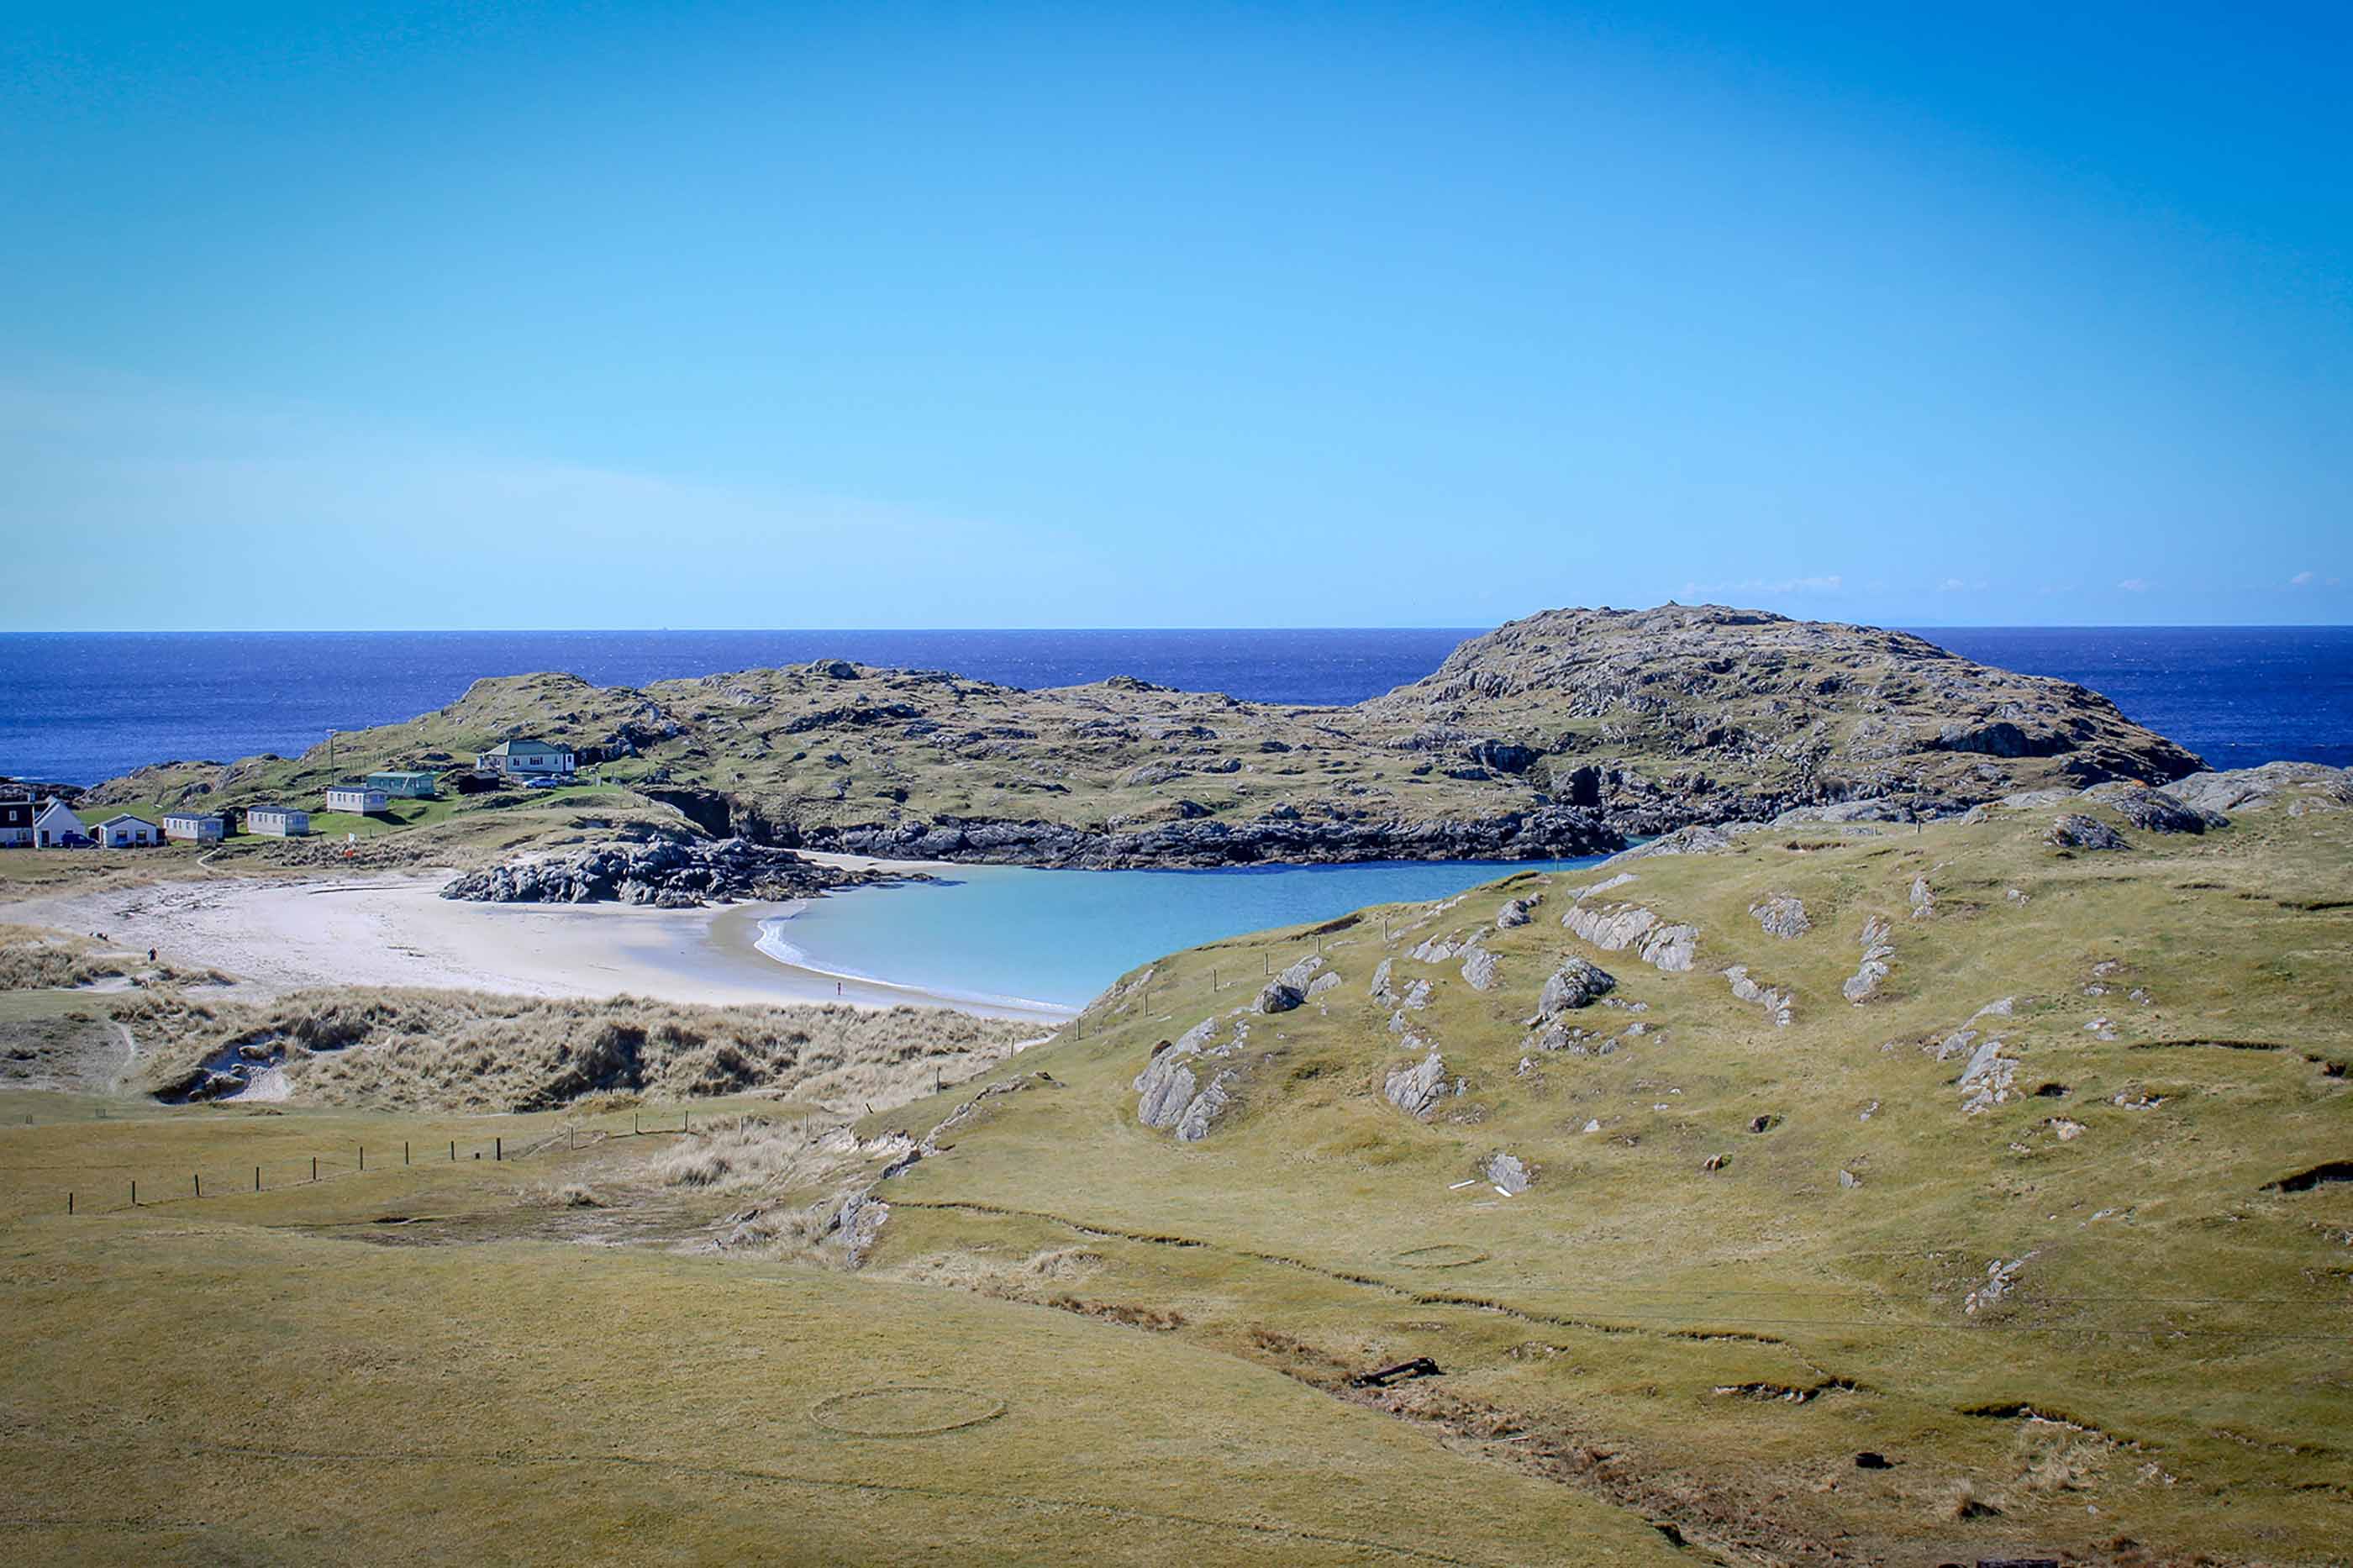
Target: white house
point(365, 799)
point(57, 825)
point(126, 831)
point(278, 821)
point(195, 826)
point(525, 759)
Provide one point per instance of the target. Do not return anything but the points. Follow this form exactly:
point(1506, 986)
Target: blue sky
point(886, 315)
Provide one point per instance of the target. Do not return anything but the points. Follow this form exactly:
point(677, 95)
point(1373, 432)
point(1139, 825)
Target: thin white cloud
point(2135, 585)
point(1829, 584)
point(2303, 579)
point(1956, 585)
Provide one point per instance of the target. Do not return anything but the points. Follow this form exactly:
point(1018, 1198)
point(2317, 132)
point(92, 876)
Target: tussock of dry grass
point(751, 1151)
point(417, 1049)
point(33, 959)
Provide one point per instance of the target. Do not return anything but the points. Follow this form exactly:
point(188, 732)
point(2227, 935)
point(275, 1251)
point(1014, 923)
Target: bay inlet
point(1047, 942)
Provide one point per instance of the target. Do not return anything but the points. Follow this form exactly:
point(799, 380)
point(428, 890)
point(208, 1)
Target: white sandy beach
point(396, 930)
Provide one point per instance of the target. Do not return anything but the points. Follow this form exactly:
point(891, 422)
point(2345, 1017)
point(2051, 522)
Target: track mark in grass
point(905, 1410)
point(509, 1459)
point(1443, 1255)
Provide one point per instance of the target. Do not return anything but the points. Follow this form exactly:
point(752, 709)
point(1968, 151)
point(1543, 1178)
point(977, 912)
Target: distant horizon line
point(864, 631)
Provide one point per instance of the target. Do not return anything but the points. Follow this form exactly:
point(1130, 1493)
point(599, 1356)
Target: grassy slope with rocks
point(2055, 1221)
point(2103, 1317)
point(1553, 734)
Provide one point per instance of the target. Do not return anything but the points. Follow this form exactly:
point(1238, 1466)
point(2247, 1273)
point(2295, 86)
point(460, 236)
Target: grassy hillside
point(1552, 734)
point(2084, 1291)
point(2033, 1250)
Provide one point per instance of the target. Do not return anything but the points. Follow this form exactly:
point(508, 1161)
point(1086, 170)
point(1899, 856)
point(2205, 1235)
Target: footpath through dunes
point(542, 1358)
point(1553, 736)
point(1878, 1191)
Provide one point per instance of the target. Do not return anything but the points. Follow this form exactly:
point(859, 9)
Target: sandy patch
point(396, 930)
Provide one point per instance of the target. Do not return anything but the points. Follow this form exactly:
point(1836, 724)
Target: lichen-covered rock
point(2075, 831)
point(1278, 996)
point(1170, 1094)
point(1507, 1172)
point(1577, 983)
point(1672, 948)
point(1700, 839)
point(1877, 952)
point(1479, 970)
point(1778, 1005)
point(1416, 1089)
point(2256, 789)
point(1782, 915)
point(1517, 912)
point(2153, 809)
point(1381, 991)
point(1617, 927)
point(1923, 899)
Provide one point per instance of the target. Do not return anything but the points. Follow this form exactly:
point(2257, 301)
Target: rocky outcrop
point(1779, 1006)
point(1517, 912)
point(2304, 784)
point(1878, 954)
point(1661, 944)
point(2153, 809)
point(1170, 1092)
point(1416, 1089)
point(1577, 983)
point(667, 872)
point(2075, 831)
point(1276, 996)
point(1543, 832)
point(1782, 915)
point(1507, 1173)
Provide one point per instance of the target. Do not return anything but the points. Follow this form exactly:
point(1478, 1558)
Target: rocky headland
point(1568, 733)
point(663, 870)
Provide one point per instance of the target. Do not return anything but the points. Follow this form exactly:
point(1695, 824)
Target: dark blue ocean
point(79, 707)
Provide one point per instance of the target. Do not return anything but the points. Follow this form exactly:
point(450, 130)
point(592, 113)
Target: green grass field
point(2106, 1316)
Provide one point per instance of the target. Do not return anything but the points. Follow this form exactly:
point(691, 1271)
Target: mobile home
point(278, 821)
point(195, 826)
point(363, 798)
point(403, 785)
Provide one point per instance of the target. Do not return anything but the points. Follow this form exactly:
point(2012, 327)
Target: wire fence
point(154, 1186)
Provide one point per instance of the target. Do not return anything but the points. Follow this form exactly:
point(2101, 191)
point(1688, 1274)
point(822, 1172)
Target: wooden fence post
point(363, 1156)
point(257, 1178)
point(497, 1148)
point(69, 1203)
point(314, 1167)
point(198, 1178)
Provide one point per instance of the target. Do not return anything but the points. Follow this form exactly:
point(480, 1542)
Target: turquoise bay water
point(1057, 938)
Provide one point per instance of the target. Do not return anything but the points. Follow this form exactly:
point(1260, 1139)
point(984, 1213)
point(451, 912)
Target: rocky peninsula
point(1568, 733)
